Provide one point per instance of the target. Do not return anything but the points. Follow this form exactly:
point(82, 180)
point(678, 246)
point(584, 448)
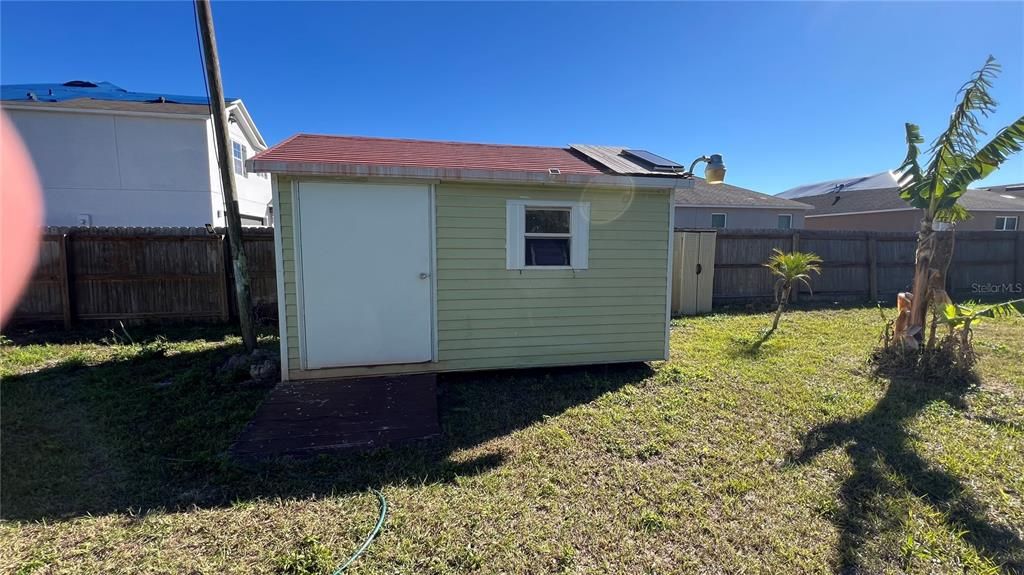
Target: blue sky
point(790, 93)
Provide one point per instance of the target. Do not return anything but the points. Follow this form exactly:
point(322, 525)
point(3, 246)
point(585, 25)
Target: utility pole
point(227, 176)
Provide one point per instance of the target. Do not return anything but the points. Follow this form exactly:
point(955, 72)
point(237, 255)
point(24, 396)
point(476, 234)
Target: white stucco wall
point(119, 170)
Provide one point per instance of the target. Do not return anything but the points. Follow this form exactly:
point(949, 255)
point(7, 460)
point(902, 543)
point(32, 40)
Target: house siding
point(904, 221)
point(489, 317)
point(737, 218)
point(291, 305)
point(119, 170)
point(130, 169)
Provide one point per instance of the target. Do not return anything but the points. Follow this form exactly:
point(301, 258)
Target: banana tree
point(956, 162)
point(960, 319)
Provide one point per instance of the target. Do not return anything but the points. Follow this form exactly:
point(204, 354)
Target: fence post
point(225, 280)
point(1018, 251)
point(65, 284)
point(796, 247)
point(872, 268)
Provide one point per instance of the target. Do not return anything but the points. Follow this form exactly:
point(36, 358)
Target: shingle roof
point(889, 199)
point(309, 148)
point(727, 195)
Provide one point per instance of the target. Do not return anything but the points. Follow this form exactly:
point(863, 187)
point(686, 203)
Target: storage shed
point(408, 256)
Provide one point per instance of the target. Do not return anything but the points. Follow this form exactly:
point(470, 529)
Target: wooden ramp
point(310, 417)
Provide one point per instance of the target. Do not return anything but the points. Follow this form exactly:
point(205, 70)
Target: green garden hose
point(369, 538)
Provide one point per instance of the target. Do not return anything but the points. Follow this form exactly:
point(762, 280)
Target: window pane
point(1011, 224)
point(236, 149)
point(785, 222)
point(718, 220)
point(547, 221)
point(547, 251)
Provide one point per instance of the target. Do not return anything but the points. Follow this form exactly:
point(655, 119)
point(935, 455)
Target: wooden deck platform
point(310, 417)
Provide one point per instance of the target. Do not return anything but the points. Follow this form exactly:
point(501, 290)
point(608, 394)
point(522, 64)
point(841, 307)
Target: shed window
point(1006, 223)
point(238, 156)
point(718, 220)
point(548, 237)
point(546, 234)
point(785, 221)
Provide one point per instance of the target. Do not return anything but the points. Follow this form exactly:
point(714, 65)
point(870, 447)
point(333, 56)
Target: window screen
point(718, 220)
point(548, 237)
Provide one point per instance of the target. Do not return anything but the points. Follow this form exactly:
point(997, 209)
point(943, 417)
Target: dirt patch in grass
point(791, 458)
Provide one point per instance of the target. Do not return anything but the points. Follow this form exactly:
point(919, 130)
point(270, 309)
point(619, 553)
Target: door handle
point(424, 275)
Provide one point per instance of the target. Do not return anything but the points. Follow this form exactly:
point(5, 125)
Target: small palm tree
point(790, 268)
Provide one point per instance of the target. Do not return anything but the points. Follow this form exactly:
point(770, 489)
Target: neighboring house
point(110, 157)
point(400, 256)
point(715, 205)
point(732, 207)
point(872, 203)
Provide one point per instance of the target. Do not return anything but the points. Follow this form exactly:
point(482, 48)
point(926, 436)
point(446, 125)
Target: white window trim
point(790, 216)
point(242, 150)
point(515, 233)
point(725, 219)
point(1006, 219)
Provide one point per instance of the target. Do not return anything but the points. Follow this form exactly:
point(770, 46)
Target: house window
point(785, 221)
point(238, 155)
point(547, 234)
point(718, 220)
point(1006, 223)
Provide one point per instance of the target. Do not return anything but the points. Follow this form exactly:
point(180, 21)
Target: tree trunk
point(922, 271)
point(942, 256)
point(782, 306)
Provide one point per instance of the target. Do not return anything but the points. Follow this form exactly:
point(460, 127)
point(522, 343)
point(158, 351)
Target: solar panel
point(655, 161)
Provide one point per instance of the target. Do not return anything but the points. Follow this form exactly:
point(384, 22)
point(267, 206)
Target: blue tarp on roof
point(92, 90)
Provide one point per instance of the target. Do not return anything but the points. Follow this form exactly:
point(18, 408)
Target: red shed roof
point(391, 152)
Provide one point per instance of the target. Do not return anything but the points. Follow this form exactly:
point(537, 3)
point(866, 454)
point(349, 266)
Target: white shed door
point(366, 264)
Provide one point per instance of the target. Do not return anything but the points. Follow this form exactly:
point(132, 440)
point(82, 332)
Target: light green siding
point(489, 317)
point(287, 231)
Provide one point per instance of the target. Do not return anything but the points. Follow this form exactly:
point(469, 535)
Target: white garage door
point(365, 270)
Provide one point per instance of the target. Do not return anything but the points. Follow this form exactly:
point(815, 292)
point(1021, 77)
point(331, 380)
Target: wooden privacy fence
point(866, 266)
point(184, 274)
point(135, 274)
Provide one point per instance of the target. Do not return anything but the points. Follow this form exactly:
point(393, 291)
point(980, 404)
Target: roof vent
point(79, 84)
point(654, 162)
point(554, 171)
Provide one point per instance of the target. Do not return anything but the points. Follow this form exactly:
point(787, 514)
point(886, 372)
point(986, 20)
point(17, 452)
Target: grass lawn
point(784, 458)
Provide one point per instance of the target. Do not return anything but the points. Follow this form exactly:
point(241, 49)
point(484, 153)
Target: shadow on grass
point(153, 433)
point(749, 347)
point(879, 446)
